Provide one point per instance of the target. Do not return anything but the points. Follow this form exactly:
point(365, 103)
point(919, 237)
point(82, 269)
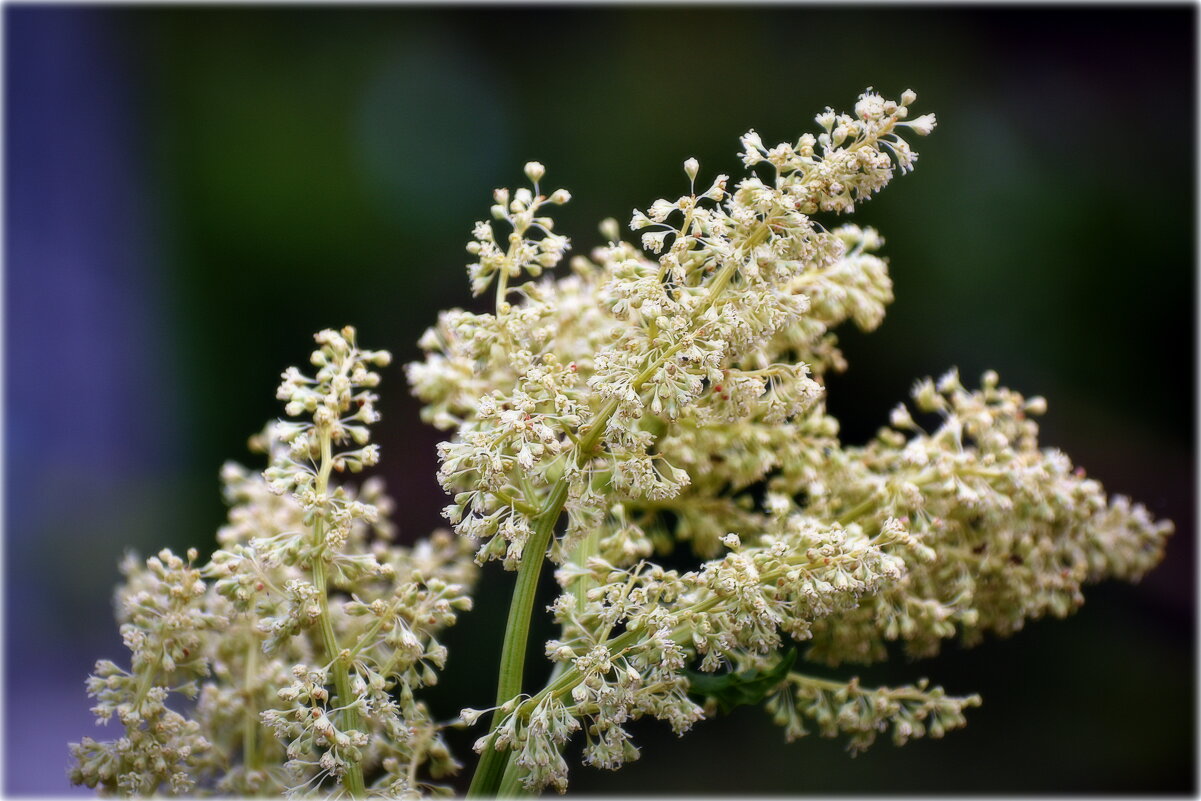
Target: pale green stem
point(489, 772)
point(516, 503)
point(588, 547)
point(502, 279)
point(502, 286)
point(858, 511)
point(250, 719)
point(353, 778)
point(367, 639)
point(144, 683)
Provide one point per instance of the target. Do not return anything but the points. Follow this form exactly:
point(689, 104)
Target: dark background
point(191, 192)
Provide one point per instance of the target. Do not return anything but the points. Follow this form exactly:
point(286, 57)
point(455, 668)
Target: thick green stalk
point(491, 768)
point(512, 658)
point(485, 782)
point(510, 783)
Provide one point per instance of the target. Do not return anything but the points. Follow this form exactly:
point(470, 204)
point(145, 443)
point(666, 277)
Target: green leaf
point(731, 690)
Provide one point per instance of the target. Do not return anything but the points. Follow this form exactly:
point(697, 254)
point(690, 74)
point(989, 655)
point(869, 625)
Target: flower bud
point(691, 166)
point(534, 171)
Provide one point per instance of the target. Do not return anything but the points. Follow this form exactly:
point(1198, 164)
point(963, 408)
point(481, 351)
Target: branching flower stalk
point(314, 631)
point(585, 443)
point(662, 396)
point(345, 699)
point(689, 250)
point(652, 394)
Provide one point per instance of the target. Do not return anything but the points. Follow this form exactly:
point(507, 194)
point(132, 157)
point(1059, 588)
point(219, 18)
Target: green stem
point(516, 503)
point(858, 511)
point(145, 681)
point(512, 657)
point(588, 548)
point(510, 783)
point(250, 719)
point(502, 286)
point(353, 778)
point(485, 783)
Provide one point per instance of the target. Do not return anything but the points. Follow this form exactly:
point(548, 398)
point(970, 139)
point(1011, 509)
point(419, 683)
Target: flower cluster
point(862, 713)
point(163, 623)
point(730, 322)
point(520, 253)
point(306, 647)
point(1017, 529)
point(666, 395)
point(672, 391)
point(734, 612)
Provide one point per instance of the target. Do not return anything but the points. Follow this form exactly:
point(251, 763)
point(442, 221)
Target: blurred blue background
point(190, 193)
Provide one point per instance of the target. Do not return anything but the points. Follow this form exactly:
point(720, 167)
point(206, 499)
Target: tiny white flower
point(923, 125)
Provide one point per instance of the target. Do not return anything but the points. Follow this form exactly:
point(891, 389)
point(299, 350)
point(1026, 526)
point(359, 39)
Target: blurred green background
point(192, 192)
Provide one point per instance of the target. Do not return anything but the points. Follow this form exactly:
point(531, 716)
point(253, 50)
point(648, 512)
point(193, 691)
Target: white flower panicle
point(529, 247)
point(583, 380)
point(672, 392)
point(341, 405)
point(305, 649)
point(1016, 528)
point(862, 713)
point(664, 395)
point(163, 623)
